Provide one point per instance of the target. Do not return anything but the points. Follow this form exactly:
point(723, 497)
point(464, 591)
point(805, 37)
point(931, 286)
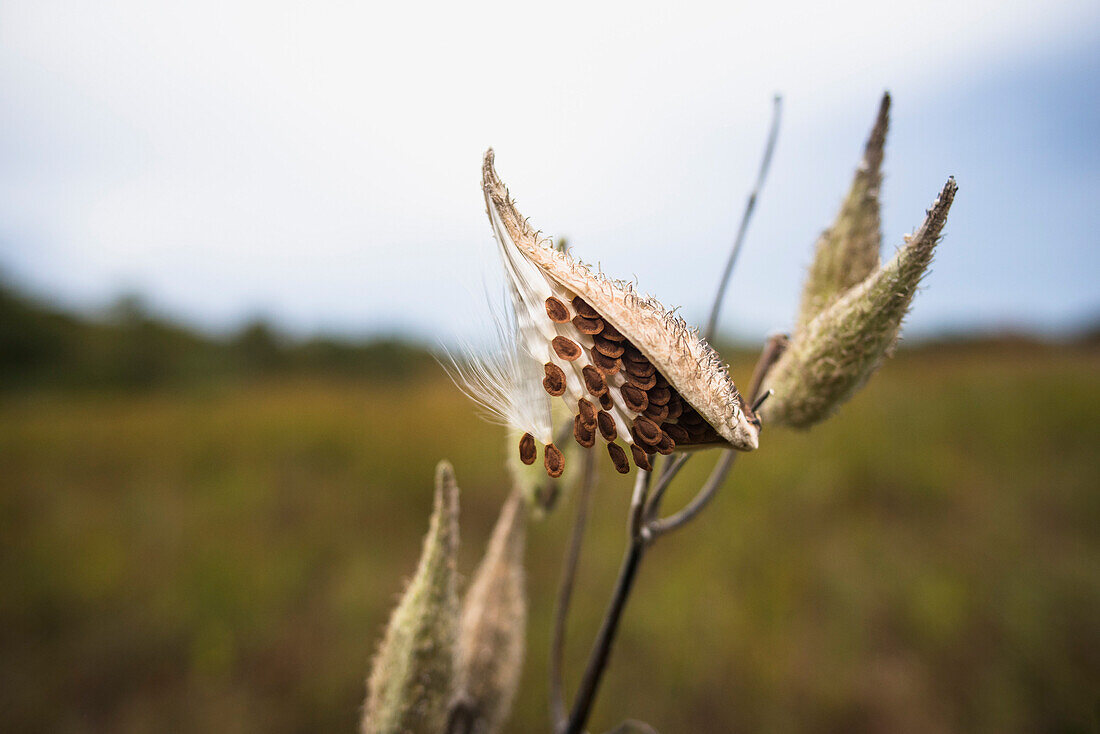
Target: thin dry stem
point(558, 713)
point(662, 526)
point(750, 206)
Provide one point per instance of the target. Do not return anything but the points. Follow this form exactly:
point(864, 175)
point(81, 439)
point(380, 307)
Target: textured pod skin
point(690, 365)
point(491, 643)
point(848, 252)
point(835, 354)
point(413, 678)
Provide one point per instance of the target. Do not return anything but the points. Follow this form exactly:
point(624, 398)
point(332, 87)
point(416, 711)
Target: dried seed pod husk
point(659, 340)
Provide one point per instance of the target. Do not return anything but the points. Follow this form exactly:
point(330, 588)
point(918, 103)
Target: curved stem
point(672, 468)
point(659, 527)
point(773, 350)
point(750, 205)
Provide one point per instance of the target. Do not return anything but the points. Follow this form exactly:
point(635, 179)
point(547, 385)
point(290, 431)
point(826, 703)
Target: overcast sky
point(318, 163)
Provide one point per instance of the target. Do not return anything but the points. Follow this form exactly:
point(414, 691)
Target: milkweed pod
point(491, 641)
point(833, 356)
point(586, 338)
point(412, 680)
point(848, 251)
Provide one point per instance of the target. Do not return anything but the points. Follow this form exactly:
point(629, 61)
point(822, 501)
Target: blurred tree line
point(128, 346)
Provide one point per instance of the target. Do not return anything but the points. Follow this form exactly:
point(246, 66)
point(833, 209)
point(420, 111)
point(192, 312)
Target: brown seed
point(594, 381)
point(632, 354)
point(588, 326)
point(584, 309)
point(697, 431)
point(606, 402)
point(647, 431)
point(618, 458)
point(554, 382)
point(635, 399)
point(565, 348)
point(691, 418)
point(527, 451)
point(665, 445)
point(656, 413)
point(556, 310)
point(553, 461)
point(640, 457)
point(641, 369)
point(606, 422)
point(585, 436)
point(642, 383)
point(661, 381)
point(660, 395)
point(609, 348)
point(587, 412)
point(611, 333)
point(675, 432)
point(675, 409)
point(607, 365)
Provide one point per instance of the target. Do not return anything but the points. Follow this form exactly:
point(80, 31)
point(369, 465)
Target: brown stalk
point(644, 526)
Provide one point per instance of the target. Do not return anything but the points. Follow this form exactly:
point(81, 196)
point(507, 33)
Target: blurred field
point(222, 557)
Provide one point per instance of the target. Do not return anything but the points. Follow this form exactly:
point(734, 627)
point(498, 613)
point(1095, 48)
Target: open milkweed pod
point(634, 376)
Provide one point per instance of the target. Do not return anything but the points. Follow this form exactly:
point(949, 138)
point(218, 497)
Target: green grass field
point(223, 558)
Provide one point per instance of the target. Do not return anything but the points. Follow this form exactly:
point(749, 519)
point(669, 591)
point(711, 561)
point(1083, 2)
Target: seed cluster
point(591, 362)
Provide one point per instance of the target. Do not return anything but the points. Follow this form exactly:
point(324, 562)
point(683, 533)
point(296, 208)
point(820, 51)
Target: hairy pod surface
point(412, 681)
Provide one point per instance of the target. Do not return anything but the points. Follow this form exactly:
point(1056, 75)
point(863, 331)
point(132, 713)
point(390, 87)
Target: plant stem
point(773, 350)
point(671, 469)
point(660, 526)
point(643, 519)
point(565, 593)
point(750, 205)
point(601, 650)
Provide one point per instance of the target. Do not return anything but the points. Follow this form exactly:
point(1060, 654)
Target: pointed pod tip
point(942, 205)
point(488, 173)
point(412, 680)
point(446, 488)
point(444, 474)
point(876, 141)
point(935, 218)
point(496, 193)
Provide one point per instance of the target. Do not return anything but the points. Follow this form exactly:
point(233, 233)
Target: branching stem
point(659, 526)
point(644, 525)
point(601, 649)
